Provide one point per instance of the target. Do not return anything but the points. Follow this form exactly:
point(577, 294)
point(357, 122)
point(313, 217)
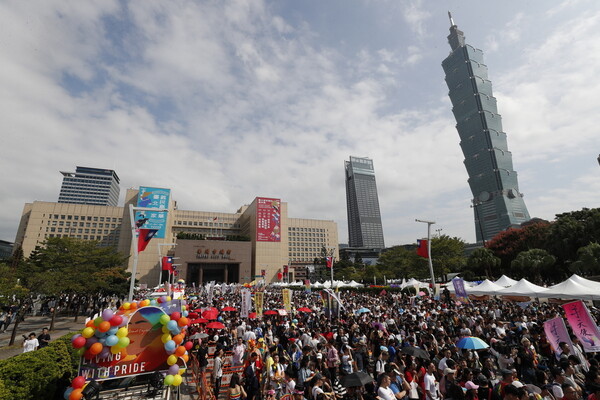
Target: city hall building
point(258, 241)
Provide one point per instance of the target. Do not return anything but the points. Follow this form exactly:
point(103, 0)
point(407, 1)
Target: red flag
point(279, 276)
point(329, 262)
point(167, 263)
point(422, 248)
point(145, 235)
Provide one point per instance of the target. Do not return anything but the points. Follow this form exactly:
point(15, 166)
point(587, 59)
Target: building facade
point(256, 241)
point(497, 202)
point(362, 204)
point(92, 186)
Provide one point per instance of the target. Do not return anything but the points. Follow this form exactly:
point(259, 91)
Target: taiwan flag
point(167, 263)
point(422, 248)
point(144, 237)
point(329, 262)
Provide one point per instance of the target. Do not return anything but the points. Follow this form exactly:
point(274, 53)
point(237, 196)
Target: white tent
point(355, 284)
point(412, 282)
point(317, 285)
point(523, 288)
point(586, 282)
point(486, 287)
point(505, 281)
point(571, 289)
point(468, 286)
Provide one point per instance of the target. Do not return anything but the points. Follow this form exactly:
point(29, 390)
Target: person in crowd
point(236, 392)
point(30, 343)
point(44, 338)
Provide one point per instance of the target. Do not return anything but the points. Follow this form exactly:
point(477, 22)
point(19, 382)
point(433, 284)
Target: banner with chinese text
point(556, 332)
point(149, 197)
point(583, 325)
point(268, 220)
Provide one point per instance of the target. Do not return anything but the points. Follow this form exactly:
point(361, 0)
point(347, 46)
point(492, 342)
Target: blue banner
point(158, 198)
point(459, 290)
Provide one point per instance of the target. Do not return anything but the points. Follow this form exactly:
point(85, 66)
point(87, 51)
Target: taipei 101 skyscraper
point(497, 202)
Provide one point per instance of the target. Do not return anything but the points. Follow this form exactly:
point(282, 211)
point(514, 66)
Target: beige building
point(260, 235)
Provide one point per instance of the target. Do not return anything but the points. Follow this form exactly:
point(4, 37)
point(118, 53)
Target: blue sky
point(223, 101)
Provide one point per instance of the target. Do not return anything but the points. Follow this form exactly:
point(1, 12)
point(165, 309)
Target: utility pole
point(429, 223)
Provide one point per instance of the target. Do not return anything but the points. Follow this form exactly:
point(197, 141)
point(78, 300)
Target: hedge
point(39, 374)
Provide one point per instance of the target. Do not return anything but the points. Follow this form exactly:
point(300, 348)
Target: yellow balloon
point(172, 359)
point(165, 338)
point(181, 371)
point(177, 379)
point(165, 329)
point(184, 308)
point(126, 306)
point(168, 298)
point(115, 349)
point(88, 332)
point(122, 332)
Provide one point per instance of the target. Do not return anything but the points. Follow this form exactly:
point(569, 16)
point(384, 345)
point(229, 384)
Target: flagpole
point(429, 223)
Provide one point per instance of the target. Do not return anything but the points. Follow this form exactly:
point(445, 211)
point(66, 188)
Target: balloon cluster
point(104, 335)
point(173, 328)
point(74, 391)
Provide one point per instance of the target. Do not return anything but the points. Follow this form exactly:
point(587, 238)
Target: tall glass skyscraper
point(362, 202)
point(99, 187)
point(497, 202)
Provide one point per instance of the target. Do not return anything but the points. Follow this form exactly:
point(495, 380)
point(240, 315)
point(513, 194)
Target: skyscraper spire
point(456, 38)
point(451, 20)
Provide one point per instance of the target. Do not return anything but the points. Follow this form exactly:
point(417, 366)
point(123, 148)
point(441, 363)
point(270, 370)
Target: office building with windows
point(92, 186)
point(362, 203)
point(497, 201)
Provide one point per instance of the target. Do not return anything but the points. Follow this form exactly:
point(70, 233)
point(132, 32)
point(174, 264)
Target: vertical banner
point(437, 292)
point(149, 197)
point(268, 220)
point(307, 286)
point(583, 325)
point(259, 303)
point(287, 300)
point(556, 332)
point(459, 290)
point(246, 299)
point(210, 294)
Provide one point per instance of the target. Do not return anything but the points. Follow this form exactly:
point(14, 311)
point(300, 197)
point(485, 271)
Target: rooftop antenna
point(451, 20)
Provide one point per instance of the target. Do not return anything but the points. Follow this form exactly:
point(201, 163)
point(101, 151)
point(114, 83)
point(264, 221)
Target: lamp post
point(160, 259)
point(429, 223)
point(134, 247)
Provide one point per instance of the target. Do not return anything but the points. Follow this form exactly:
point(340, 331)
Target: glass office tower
point(99, 187)
point(497, 202)
point(364, 218)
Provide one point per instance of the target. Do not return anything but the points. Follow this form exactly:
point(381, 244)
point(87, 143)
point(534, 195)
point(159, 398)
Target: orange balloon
point(104, 326)
point(178, 338)
point(183, 321)
point(96, 348)
point(180, 351)
point(185, 357)
point(90, 324)
point(76, 394)
point(133, 305)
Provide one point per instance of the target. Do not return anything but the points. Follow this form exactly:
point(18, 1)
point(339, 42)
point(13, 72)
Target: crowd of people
point(392, 346)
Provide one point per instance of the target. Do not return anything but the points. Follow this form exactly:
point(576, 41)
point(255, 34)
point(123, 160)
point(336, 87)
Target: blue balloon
point(68, 393)
point(185, 313)
point(170, 345)
point(153, 302)
point(112, 331)
point(172, 326)
point(99, 334)
point(111, 340)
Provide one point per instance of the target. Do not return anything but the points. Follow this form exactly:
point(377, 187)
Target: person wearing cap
point(472, 391)
point(298, 393)
point(381, 361)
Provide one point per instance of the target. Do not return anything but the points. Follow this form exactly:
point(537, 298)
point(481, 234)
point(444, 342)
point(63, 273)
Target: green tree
point(571, 231)
point(13, 292)
point(447, 254)
point(588, 260)
point(507, 244)
point(400, 262)
point(531, 263)
point(482, 262)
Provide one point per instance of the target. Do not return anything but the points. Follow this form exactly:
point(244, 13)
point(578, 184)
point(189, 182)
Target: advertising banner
point(556, 332)
point(149, 197)
point(583, 325)
point(459, 290)
point(287, 300)
point(145, 354)
point(246, 299)
point(268, 220)
point(259, 300)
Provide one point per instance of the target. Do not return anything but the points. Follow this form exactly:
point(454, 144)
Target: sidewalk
point(62, 326)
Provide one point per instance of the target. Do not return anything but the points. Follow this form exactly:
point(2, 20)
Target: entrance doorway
point(220, 273)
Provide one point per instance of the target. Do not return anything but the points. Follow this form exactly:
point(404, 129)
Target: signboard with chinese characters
point(583, 325)
point(149, 197)
point(268, 220)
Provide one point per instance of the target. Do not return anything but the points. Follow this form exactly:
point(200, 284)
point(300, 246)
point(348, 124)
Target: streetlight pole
point(160, 260)
point(429, 223)
point(134, 247)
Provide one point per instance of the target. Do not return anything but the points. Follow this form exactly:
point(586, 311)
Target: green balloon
point(164, 319)
point(98, 321)
point(123, 342)
point(169, 380)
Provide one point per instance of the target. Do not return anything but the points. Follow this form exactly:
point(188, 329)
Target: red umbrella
point(304, 309)
point(271, 312)
point(252, 315)
point(210, 314)
point(228, 308)
point(192, 315)
point(215, 325)
point(199, 321)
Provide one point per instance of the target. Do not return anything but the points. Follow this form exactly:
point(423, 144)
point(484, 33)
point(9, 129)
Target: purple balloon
point(91, 341)
point(169, 352)
point(163, 299)
point(107, 314)
point(125, 321)
point(174, 369)
point(105, 353)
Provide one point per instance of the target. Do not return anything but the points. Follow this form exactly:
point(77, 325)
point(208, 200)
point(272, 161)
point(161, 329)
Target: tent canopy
point(523, 288)
point(486, 287)
point(505, 281)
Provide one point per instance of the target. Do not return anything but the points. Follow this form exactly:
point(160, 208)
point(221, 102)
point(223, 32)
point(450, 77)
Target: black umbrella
point(415, 352)
point(354, 379)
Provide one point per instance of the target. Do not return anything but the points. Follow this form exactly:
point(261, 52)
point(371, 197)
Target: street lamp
point(160, 259)
point(429, 223)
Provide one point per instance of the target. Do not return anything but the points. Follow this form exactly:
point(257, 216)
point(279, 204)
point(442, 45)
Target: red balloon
point(79, 342)
point(188, 345)
point(78, 382)
point(176, 315)
point(116, 320)
point(88, 355)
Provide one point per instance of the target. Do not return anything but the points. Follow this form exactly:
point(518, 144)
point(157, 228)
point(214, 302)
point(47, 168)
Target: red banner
point(268, 220)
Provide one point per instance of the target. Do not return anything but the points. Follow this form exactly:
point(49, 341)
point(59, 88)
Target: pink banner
point(268, 220)
point(583, 325)
point(556, 332)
